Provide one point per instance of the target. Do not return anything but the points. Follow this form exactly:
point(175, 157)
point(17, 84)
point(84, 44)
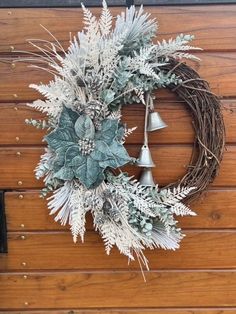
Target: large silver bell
point(155, 122)
point(145, 158)
point(146, 177)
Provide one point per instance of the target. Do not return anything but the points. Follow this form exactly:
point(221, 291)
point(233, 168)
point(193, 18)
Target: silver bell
point(146, 178)
point(155, 122)
point(145, 158)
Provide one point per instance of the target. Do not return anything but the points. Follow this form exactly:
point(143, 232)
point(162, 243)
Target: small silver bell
point(145, 158)
point(146, 178)
point(155, 122)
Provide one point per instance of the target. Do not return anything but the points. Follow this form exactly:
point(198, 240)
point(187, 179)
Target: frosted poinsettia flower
point(82, 152)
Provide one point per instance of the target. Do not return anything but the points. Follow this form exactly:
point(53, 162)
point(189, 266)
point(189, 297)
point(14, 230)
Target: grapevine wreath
point(104, 69)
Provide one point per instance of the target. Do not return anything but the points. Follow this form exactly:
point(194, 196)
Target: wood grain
point(215, 209)
point(117, 289)
point(218, 68)
point(56, 250)
point(133, 311)
point(214, 28)
point(14, 131)
point(17, 165)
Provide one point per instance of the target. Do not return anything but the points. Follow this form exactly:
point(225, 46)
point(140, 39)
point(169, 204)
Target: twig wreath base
point(103, 70)
point(208, 124)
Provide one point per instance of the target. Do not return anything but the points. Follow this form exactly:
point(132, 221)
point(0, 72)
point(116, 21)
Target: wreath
point(104, 69)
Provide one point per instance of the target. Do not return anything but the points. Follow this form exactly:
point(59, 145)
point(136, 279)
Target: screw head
point(19, 182)
point(15, 95)
point(17, 138)
point(23, 264)
point(12, 48)
point(15, 108)
point(25, 276)
point(22, 226)
point(26, 303)
point(23, 237)
point(13, 65)
point(21, 196)
point(18, 154)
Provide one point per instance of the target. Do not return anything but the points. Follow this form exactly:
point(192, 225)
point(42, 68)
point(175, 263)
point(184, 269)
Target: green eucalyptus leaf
point(107, 95)
point(84, 127)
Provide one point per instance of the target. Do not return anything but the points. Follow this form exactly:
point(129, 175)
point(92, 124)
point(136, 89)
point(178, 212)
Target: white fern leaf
point(108, 233)
point(90, 20)
point(175, 47)
point(147, 69)
point(105, 21)
point(180, 209)
point(129, 131)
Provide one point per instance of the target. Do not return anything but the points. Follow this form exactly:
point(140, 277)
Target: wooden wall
point(43, 269)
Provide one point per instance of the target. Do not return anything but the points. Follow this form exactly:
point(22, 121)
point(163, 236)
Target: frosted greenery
point(104, 69)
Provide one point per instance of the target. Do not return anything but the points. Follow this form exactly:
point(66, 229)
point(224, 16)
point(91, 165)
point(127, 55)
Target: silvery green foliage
point(127, 215)
point(102, 70)
point(112, 66)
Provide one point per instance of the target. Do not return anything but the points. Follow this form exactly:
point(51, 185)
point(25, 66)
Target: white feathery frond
point(105, 21)
point(176, 48)
point(164, 240)
point(180, 209)
point(128, 132)
point(136, 23)
point(60, 202)
point(44, 165)
point(109, 235)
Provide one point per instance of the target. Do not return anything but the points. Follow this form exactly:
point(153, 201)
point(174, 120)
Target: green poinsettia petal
point(120, 132)
point(68, 118)
point(117, 155)
point(61, 137)
point(71, 153)
point(100, 150)
point(77, 161)
point(65, 173)
point(89, 173)
point(111, 163)
point(84, 127)
point(108, 130)
point(59, 159)
point(100, 178)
